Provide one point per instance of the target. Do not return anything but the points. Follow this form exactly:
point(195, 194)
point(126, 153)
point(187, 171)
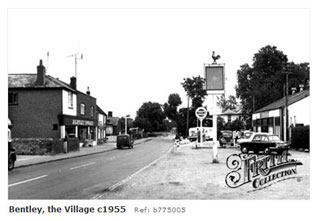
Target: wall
point(36, 113)
point(301, 110)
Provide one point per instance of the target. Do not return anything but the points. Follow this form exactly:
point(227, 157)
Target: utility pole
point(187, 121)
point(286, 71)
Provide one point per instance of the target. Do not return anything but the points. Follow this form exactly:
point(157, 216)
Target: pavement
point(189, 173)
point(29, 160)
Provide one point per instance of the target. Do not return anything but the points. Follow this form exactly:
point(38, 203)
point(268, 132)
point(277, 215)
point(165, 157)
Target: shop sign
point(83, 122)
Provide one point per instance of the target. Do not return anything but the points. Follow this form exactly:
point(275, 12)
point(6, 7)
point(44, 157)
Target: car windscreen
point(274, 138)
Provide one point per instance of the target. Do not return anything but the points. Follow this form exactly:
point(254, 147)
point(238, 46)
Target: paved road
point(84, 177)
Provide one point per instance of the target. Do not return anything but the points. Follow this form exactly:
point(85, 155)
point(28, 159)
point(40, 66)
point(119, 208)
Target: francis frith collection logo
point(260, 170)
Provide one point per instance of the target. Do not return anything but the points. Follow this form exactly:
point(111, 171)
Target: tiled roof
point(281, 102)
point(29, 81)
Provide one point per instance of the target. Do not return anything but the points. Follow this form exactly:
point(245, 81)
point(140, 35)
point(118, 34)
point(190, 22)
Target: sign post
point(201, 114)
point(215, 86)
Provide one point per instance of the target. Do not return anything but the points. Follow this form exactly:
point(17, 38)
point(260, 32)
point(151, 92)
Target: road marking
point(29, 180)
point(112, 158)
point(73, 168)
point(111, 188)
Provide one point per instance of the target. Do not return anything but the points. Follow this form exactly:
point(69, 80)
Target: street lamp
point(126, 124)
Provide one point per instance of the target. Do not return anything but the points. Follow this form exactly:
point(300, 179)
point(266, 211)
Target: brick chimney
point(40, 74)
point(73, 82)
point(109, 113)
point(88, 92)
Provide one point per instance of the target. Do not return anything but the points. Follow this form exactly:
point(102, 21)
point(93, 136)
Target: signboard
point(201, 113)
point(215, 79)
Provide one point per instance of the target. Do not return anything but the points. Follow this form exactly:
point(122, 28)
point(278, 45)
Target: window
point(257, 138)
point(264, 138)
point(92, 111)
point(70, 100)
point(13, 98)
point(82, 109)
point(55, 126)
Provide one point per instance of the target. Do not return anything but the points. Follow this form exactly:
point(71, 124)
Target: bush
point(300, 138)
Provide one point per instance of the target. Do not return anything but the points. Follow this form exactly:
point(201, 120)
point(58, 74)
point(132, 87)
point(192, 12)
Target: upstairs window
point(70, 100)
point(82, 109)
point(92, 111)
point(13, 98)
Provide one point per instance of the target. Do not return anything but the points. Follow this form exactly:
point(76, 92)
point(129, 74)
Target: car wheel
point(244, 150)
point(11, 163)
point(267, 150)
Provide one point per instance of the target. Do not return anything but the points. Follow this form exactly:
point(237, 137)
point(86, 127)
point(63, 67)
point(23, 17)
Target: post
point(125, 125)
point(286, 108)
point(187, 121)
point(201, 132)
point(214, 138)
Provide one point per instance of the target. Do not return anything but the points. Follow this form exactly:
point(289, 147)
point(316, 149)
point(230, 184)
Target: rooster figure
point(215, 57)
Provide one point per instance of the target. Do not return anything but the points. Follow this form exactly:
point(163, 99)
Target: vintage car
point(125, 140)
point(226, 138)
point(264, 143)
point(246, 137)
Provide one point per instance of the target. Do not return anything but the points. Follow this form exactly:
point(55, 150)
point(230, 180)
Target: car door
point(254, 145)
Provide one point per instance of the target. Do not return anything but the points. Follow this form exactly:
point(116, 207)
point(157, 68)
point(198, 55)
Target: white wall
point(301, 111)
point(66, 109)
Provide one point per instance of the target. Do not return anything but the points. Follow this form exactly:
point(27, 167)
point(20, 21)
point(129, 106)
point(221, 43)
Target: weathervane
point(215, 57)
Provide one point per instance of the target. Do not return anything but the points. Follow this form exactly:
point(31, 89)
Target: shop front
point(82, 128)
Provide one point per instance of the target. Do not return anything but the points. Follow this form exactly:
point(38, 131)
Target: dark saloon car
point(265, 143)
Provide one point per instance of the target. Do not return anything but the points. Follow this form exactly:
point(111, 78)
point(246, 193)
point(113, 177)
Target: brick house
point(45, 110)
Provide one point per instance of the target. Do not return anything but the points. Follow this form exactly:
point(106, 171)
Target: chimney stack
point(109, 113)
point(40, 74)
point(88, 92)
point(73, 83)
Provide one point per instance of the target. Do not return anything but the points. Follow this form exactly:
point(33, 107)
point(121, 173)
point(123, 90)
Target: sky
point(132, 56)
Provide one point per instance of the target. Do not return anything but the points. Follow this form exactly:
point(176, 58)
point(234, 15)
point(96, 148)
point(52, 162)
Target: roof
point(231, 112)
point(29, 81)
point(101, 111)
point(281, 102)
point(113, 120)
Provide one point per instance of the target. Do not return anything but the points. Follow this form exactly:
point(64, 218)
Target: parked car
point(265, 143)
point(125, 140)
point(246, 137)
point(226, 138)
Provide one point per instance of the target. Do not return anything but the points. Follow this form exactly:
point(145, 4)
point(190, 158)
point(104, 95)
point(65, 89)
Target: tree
point(263, 83)
point(151, 115)
point(194, 88)
point(227, 104)
point(170, 108)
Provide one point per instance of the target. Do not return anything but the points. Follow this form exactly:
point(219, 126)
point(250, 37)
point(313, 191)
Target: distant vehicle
point(125, 140)
point(194, 132)
point(226, 138)
point(265, 143)
point(137, 132)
